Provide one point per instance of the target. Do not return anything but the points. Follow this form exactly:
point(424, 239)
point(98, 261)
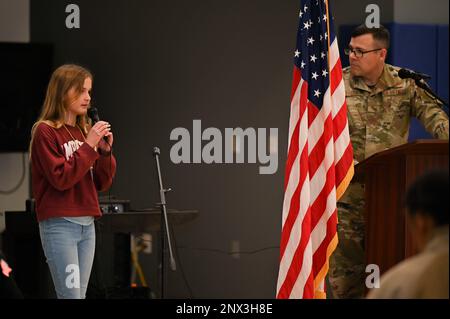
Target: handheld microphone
point(408, 74)
point(93, 114)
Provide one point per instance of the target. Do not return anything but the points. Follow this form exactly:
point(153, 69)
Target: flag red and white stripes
point(319, 163)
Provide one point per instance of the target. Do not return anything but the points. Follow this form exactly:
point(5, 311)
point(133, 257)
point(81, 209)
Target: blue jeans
point(69, 249)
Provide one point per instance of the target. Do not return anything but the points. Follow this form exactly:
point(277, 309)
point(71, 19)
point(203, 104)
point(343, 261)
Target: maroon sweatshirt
point(62, 181)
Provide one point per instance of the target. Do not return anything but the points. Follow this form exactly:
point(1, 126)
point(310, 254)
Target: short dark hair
point(380, 34)
point(429, 195)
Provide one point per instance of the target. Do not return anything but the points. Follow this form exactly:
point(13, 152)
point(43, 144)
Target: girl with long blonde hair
point(71, 160)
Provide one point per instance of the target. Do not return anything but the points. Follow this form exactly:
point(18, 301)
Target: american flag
point(319, 164)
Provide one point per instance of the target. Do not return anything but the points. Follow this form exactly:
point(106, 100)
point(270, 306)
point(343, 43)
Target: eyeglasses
point(359, 53)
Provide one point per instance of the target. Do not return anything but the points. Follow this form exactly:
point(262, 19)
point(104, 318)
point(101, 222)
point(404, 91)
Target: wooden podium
point(386, 176)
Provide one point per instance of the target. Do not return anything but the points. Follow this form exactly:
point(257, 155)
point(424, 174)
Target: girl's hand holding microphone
point(97, 132)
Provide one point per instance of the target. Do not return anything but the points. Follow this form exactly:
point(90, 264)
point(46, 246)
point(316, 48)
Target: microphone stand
point(424, 85)
point(164, 222)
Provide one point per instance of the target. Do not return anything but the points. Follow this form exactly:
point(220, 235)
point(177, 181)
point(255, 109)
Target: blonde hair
point(63, 79)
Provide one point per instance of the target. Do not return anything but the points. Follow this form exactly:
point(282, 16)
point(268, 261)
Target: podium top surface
point(424, 147)
point(429, 148)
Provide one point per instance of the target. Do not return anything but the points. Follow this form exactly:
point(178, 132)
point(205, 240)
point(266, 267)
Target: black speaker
point(26, 70)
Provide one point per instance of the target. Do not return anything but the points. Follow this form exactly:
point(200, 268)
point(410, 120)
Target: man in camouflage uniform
point(379, 107)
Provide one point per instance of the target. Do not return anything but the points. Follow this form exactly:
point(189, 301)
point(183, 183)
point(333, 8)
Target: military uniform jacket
point(379, 116)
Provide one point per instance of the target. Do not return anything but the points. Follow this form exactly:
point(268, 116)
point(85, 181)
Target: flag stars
point(321, 37)
point(302, 65)
point(297, 53)
point(324, 17)
point(326, 36)
point(311, 40)
point(315, 75)
point(324, 73)
point(317, 93)
point(300, 14)
point(323, 55)
point(306, 25)
point(305, 8)
point(313, 58)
